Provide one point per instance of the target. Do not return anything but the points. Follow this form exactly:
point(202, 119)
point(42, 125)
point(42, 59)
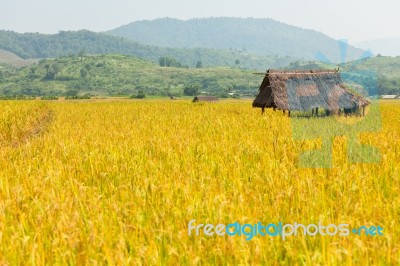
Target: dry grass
point(118, 182)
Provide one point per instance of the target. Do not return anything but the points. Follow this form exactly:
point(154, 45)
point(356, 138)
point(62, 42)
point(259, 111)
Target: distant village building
point(389, 97)
point(205, 99)
point(300, 90)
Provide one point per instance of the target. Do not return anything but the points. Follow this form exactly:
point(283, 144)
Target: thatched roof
point(205, 99)
point(303, 90)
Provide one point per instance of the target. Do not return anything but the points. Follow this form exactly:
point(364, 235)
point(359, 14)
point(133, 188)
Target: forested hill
point(124, 75)
point(121, 75)
point(35, 45)
point(262, 36)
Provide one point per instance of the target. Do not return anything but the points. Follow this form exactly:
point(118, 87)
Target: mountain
point(387, 47)
point(35, 45)
point(262, 36)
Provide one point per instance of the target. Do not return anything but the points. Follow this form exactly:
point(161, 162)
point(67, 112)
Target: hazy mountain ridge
point(262, 36)
point(35, 45)
point(386, 47)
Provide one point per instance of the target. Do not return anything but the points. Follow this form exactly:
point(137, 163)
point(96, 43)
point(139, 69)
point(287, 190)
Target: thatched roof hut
point(304, 90)
point(205, 99)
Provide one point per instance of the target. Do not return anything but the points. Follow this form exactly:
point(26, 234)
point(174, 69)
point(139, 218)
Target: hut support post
point(289, 113)
point(316, 112)
point(312, 112)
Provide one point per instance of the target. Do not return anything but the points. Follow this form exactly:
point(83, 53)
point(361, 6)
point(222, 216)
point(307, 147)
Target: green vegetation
point(6, 70)
point(375, 75)
point(49, 98)
point(113, 75)
point(261, 36)
point(191, 90)
point(139, 95)
point(307, 65)
point(79, 97)
point(82, 43)
point(16, 97)
point(386, 68)
point(170, 62)
point(84, 76)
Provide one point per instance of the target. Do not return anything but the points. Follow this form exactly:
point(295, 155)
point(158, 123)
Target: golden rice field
point(94, 183)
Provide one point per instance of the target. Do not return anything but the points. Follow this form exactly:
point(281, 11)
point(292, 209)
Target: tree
point(237, 62)
point(199, 64)
point(191, 90)
point(84, 73)
point(139, 95)
point(71, 93)
point(88, 67)
point(81, 54)
point(52, 71)
point(162, 61)
point(169, 62)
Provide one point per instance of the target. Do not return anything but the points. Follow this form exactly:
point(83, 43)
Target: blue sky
point(354, 20)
